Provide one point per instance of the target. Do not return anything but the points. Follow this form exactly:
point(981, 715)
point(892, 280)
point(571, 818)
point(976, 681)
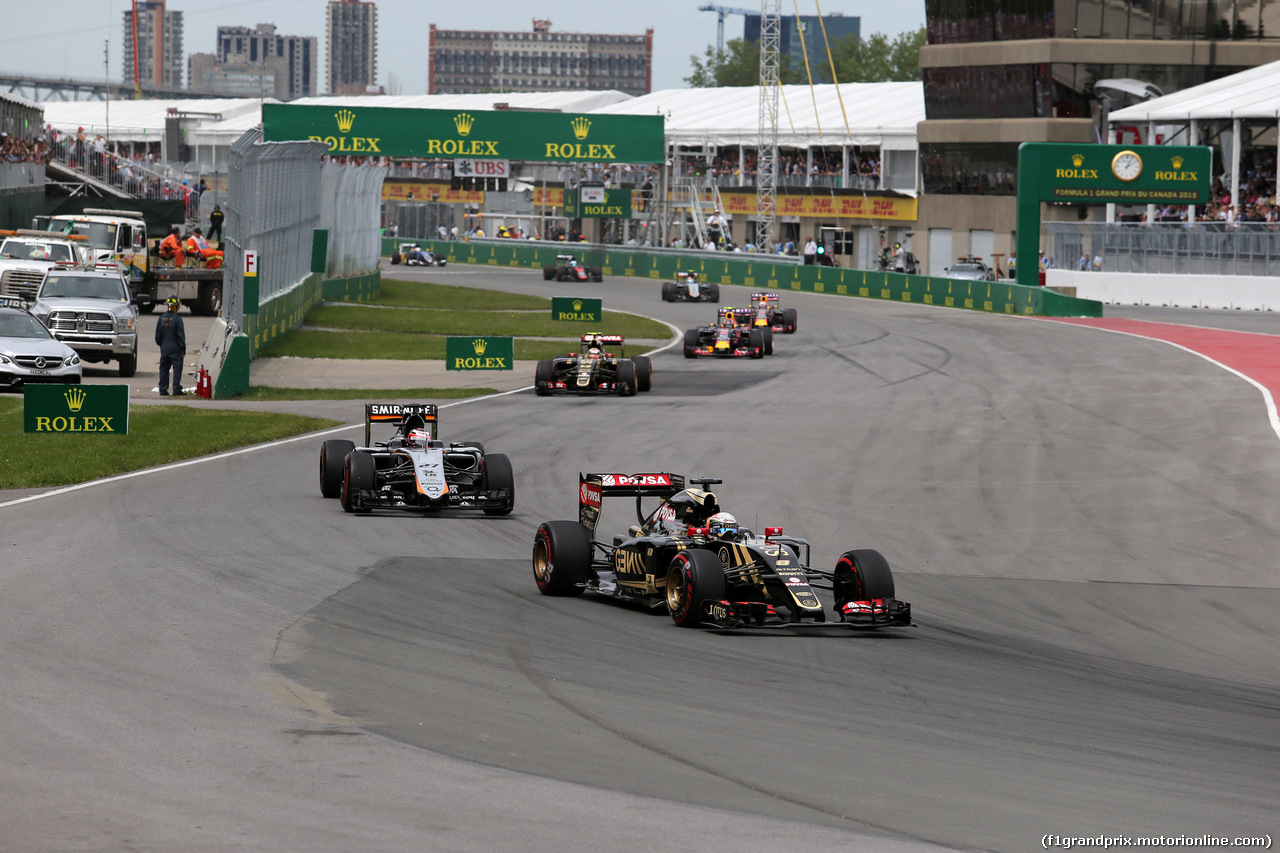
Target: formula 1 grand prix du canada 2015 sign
point(497, 134)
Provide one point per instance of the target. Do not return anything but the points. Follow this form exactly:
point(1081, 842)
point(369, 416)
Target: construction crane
point(723, 12)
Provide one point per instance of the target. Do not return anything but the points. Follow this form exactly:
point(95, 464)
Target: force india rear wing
point(395, 413)
point(593, 488)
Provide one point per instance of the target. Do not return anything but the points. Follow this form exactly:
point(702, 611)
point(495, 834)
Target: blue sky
point(74, 47)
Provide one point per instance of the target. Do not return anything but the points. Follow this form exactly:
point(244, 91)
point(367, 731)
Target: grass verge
point(316, 343)
point(515, 323)
point(269, 394)
point(157, 435)
point(417, 294)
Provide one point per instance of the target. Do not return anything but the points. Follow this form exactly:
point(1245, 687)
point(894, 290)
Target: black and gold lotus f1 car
point(704, 576)
point(596, 368)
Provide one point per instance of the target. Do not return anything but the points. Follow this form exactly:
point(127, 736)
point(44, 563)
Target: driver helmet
point(419, 435)
point(722, 524)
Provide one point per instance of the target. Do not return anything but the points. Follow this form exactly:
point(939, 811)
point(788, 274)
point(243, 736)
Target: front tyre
point(129, 364)
point(498, 477)
point(861, 575)
point(544, 378)
point(333, 455)
point(713, 293)
point(561, 558)
point(644, 372)
point(768, 340)
point(694, 578)
point(789, 319)
point(359, 474)
point(626, 378)
point(755, 343)
point(691, 343)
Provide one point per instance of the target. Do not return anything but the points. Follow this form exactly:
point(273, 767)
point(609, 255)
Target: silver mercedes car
point(29, 353)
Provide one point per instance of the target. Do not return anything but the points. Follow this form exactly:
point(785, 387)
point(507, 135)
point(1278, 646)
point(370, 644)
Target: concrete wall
point(1253, 293)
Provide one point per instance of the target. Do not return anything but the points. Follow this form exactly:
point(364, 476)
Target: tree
point(873, 60)
point(738, 65)
point(877, 60)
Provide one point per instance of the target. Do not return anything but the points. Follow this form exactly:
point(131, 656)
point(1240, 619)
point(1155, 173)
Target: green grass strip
point(518, 324)
point(420, 294)
point(157, 435)
point(267, 393)
point(315, 343)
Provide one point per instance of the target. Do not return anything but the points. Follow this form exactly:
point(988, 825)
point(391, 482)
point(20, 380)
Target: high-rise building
point(241, 47)
point(157, 52)
point(351, 39)
point(1000, 74)
point(467, 61)
point(801, 34)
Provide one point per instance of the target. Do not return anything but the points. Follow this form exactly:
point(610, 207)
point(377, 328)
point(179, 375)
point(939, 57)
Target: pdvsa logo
point(589, 494)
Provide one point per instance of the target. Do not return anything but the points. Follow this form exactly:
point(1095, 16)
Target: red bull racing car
point(765, 312)
point(569, 268)
point(694, 559)
point(594, 369)
point(414, 470)
point(688, 287)
point(732, 336)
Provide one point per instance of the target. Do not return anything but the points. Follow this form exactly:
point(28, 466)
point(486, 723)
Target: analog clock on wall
point(1126, 165)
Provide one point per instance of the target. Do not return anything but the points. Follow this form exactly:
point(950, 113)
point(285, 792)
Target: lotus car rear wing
point(395, 413)
point(593, 488)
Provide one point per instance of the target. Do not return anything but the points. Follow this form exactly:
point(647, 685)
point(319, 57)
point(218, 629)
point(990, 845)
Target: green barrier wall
point(735, 269)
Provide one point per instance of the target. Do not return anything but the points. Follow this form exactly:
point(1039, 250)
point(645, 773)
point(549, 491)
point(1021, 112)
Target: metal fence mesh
point(273, 208)
point(1208, 248)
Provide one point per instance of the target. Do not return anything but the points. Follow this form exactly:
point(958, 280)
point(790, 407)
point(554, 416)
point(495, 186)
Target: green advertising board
point(500, 134)
point(616, 204)
point(1102, 174)
point(486, 352)
point(577, 308)
point(96, 409)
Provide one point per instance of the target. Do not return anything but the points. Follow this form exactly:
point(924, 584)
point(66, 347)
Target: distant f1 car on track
point(413, 255)
point(569, 268)
point(689, 287)
point(414, 471)
point(765, 312)
point(732, 336)
point(593, 369)
point(694, 559)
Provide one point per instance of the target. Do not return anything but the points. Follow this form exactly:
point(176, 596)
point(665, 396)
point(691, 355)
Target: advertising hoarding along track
point(468, 134)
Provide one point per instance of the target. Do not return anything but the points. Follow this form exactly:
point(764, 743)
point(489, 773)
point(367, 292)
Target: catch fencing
point(1203, 248)
point(350, 207)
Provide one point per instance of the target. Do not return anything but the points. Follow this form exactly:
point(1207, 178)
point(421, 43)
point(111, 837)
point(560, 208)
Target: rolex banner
point(487, 352)
point(96, 409)
point(614, 204)
point(468, 134)
point(577, 308)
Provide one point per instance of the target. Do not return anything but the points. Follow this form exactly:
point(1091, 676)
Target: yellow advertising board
point(834, 207)
point(393, 190)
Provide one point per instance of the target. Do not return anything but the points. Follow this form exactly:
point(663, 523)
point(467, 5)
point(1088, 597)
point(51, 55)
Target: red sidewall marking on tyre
point(1250, 355)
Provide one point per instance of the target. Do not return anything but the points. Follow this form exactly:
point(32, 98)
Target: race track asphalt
point(213, 657)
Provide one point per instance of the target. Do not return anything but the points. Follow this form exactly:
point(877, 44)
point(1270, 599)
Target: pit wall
point(1231, 292)
point(757, 272)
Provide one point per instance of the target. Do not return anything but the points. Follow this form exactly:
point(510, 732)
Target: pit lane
point(1085, 524)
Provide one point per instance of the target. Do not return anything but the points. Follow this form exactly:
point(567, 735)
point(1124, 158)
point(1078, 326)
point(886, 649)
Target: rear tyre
point(789, 321)
point(333, 455)
point(358, 474)
point(544, 376)
point(561, 558)
point(690, 343)
point(644, 372)
point(498, 476)
point(755, 343)
point(626, 378)
point(129, 364)
point(694, 577)
point(209, 302)
point(861, 575)
point(713, 292)
point(768, 340)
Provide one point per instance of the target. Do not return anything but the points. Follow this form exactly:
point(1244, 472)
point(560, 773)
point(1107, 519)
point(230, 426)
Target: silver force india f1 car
point(694, 559)
point(765, 312)
point(569, 268)
point(731, 336)
point(414, 471)
point(594, 370)
point(688, 287)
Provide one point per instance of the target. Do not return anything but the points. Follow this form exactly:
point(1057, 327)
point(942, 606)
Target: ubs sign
point(85, 409)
